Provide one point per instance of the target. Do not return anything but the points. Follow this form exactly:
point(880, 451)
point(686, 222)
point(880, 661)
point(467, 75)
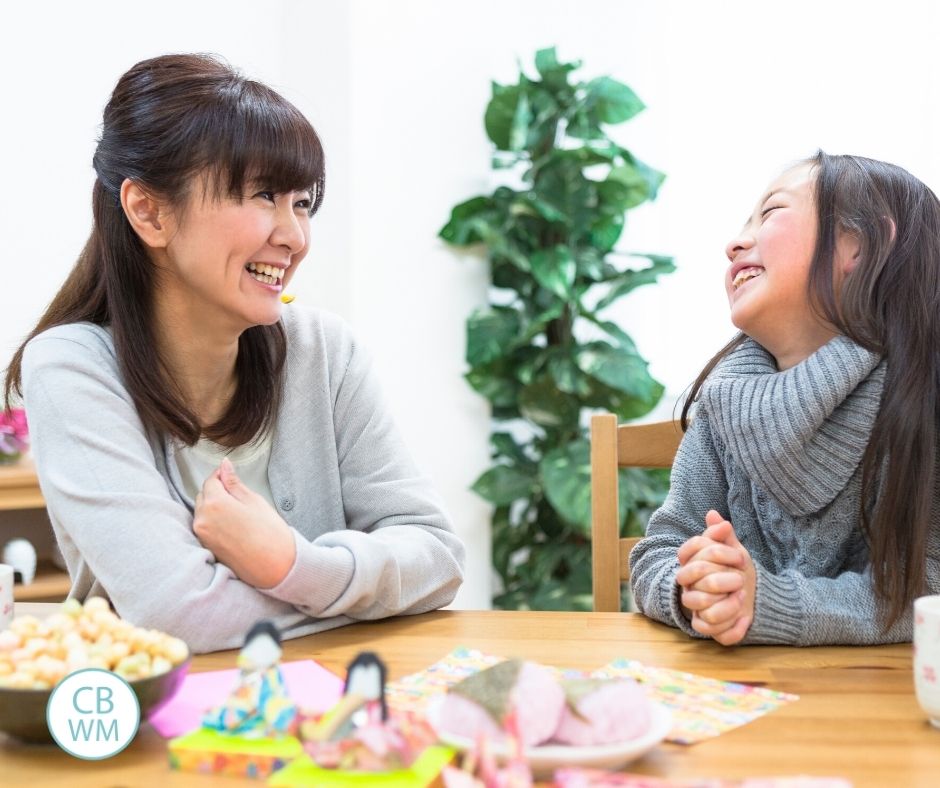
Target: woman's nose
point(289, 231)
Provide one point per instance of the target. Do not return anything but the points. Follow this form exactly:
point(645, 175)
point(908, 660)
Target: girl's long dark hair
point(169, 120)
point(890, 304)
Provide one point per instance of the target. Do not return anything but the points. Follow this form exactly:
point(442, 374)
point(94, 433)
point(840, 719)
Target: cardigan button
point(287, 504)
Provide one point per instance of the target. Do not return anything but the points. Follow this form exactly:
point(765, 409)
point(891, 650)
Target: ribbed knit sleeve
point(697, 484)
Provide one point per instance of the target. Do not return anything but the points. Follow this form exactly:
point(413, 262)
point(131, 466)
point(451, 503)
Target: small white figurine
point(21, 555)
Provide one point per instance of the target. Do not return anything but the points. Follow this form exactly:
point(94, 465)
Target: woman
point(167, 360)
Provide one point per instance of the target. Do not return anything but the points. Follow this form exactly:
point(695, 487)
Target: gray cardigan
point(371, 537)
point(779, 454)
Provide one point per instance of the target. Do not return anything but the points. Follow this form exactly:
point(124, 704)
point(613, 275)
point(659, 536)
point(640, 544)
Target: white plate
point(548, 757)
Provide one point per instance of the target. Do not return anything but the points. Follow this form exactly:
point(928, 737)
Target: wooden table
point(857, 716)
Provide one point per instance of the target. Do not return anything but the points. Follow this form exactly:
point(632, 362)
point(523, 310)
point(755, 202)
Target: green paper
point(208, 740)
point(304, 772)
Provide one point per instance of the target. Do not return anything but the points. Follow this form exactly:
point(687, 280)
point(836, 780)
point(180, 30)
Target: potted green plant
point(541, 351)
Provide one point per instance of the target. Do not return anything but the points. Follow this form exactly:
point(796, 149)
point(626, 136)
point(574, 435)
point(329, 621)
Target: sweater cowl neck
point(799, 434)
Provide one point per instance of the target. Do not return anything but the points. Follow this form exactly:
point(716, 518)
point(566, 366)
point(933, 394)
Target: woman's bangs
point(267, 145)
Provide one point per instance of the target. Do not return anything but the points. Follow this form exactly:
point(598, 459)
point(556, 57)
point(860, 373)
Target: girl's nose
point(738, 244)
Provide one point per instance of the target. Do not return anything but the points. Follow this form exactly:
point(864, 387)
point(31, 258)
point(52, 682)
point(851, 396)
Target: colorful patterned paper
point(702, 708)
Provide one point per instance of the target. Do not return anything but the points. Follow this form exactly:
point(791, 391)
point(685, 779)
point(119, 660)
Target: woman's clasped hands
point(242, 530)
point(718, 582)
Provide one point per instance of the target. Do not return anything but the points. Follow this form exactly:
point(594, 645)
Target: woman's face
point(767, 279)
point(230, 259)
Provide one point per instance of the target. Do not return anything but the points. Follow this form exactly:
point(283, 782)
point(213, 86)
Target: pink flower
point(14, 433)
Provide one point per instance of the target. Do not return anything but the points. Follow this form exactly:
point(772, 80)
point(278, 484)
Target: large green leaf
point(495, 383)
point(614, 101)
point(630, 279)
point(555, 270)
point(567, 376)
point(542, 403)
point(466, 221)
point(626, 406)
point(625, 188)
point(507, 114)
point(504, 484)
point(605, 232)
point(491, 333)
point(615, 366)
point(504, 445)
point(566, 476)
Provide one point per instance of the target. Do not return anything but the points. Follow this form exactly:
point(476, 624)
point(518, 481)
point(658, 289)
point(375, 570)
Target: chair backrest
point(613, 447)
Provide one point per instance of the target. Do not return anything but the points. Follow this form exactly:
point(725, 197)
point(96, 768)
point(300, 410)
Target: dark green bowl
point(23, 711)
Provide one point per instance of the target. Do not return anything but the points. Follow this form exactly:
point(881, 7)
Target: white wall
point(397, 90)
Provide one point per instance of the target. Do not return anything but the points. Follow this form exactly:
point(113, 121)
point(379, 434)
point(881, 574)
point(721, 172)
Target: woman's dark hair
point(169, 120)
point(890, 304)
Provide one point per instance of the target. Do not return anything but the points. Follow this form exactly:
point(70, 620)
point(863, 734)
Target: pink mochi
point(615, 711)
point(535, 696)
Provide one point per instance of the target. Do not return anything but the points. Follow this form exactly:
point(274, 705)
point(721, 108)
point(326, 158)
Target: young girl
point(165, 361)
point(804, 507)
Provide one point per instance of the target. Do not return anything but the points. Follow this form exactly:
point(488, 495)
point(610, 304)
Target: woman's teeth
point(744, 275)
point(268, 274)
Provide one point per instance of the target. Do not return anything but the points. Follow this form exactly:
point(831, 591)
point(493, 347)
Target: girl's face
point(228, 260)
point(767, 278)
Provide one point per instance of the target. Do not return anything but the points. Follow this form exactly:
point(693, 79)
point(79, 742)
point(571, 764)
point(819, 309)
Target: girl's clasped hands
point(718, 582)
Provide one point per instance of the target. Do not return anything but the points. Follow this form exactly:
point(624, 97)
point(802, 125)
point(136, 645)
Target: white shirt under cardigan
point(197, 463)
point(371, 538)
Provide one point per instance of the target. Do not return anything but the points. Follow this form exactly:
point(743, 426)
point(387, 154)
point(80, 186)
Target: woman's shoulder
point(310, 330)
point(69, 341)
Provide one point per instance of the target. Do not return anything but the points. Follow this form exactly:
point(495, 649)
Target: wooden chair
point(612, 447)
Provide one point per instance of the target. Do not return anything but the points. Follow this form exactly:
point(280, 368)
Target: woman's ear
point(145, 213)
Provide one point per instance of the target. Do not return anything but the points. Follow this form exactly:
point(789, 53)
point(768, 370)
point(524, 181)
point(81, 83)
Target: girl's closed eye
point(768, 209)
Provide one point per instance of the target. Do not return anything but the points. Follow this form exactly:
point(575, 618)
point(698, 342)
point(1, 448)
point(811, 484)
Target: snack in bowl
point(35, 654)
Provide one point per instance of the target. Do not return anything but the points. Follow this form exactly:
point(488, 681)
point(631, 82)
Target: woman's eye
point(304, 204)
point(266, 196)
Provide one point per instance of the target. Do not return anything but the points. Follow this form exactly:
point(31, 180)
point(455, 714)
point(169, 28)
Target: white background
point(397, 90)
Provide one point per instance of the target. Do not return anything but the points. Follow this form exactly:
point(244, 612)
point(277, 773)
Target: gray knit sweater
point(371, 537)
point(779, 454)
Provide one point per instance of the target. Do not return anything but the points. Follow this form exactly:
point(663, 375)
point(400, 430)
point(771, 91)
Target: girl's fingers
point(693, 546)
point(711, 630)
point(691, 573)
point(736, 633)
point(727, 610)
point(699, 600)
point(717, 553)
point(719, 583)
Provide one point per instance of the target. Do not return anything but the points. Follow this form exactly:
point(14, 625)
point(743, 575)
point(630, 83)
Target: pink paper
point(311, 686)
